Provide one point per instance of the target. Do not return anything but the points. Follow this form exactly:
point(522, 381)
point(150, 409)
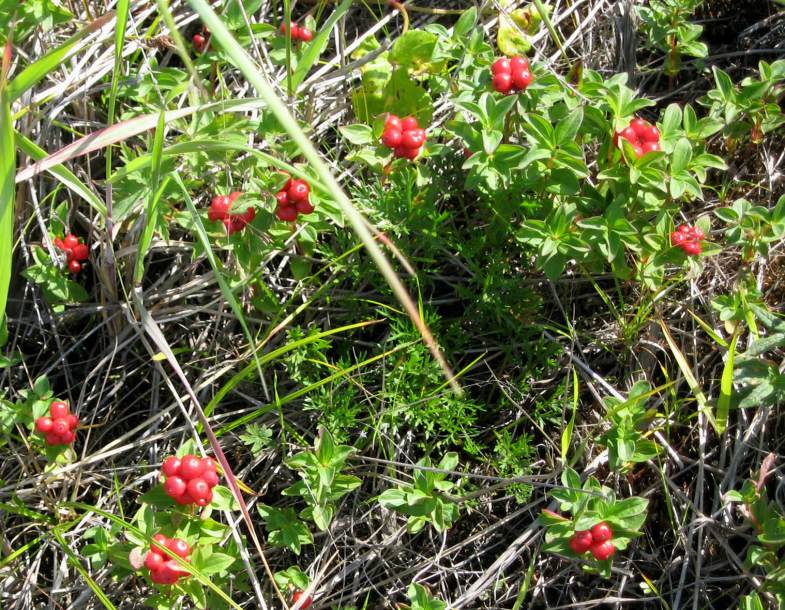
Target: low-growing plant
point(667, 28)
point(625, 438)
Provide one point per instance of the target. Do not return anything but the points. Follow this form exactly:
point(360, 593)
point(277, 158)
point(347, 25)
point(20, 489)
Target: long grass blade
point(7, 186)
point(151, 214)
point(726, 386)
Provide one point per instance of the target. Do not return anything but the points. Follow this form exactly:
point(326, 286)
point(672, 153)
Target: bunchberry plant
point(628, 420)
point(511, 75)
point(222, 209)
point(284, 528)
point(403, 136)
point(753, 228)
point(165, 571)
point(75, 251)
point(689, 239)
point(667, 28)
point(600, 525)
point(421, 598)
point(59, 426)
point(293, 200)
point(190, 479)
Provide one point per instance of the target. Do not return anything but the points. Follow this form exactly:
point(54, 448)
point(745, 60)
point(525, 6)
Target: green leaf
point(403, 96)
point(465, 23)
point(682, 153)
point(358, 134)
point(216, 563)
point(568, 127)
point(7, 192)
point(414, 51)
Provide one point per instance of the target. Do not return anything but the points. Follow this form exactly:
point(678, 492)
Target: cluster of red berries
point(190, 480)
point(689, 239)
point(298, 32)
point(59, 427)
point(642, 135)
point(300, 595)
point(163, 569)
point(219, 210)
point(597, 540)
point(200, 39)
point(404, 136)
point(75, 252)
point(511, 75)
point(293, 199)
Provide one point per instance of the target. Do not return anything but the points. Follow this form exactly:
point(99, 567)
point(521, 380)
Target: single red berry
point(198, 488)
point(298, 191)
point(286, 213)
point(74, 266)
point(70, 241)
point(601, 532)
point(697, 233)
point(409, 123)
point(391, 138)
point(58, 409)
point(519, 63)
point(174, 486)
point(501, 66)
point(249, 215)
point(67, 437)
point(629, 134)
point(210, 477)
point(414, 138)
point(302, 598)
point(407, 153)
point(282, 198)
point(502, 82)
point(208, 464)
point(304, 207)
point(581, 542)
point(53, 439)
point(638, 151)
point(206, 499)
point(43, 424)
point(677, 239)
point(81, 252)
point(684, 229)
point(393, 122)
point(171, 466)
point(692, 248)
point(650, 134)
point(160, 539)
point(73, 421)
point(178, 547)
point(640, 126)
point(184, 499)
point(305, 34)
point(200, 42)
point(60, 426)
point(295, 30)
point(164, 575)
point(153, 560)
point(650, 146)
point(521, 79)
point(174, 568)
point(59, 243)
point(603, 550)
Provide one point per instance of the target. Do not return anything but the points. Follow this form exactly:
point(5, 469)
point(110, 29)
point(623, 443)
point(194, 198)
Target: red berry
point(409, 123)
point(640, 126)
point(638, 151)
point(393, 122)
point(43, 424)
point(73, 421)
point(174, 486)
point(153, 560)
point(697, 233)
point(501, 66)
point(650, 146)
point(58, 243)
point(295, 30)
point(391, 138)
point(521, 79)
point(58, 409)
point(164, 575)
point(616, 135)
point(208, 464)
point(81, 252)
point(601, 532)
point(179, 547)
point(171, 466)
point(160, 539)
point(677, 239)
point(53, 439)
point(298, 191)
point(198, 488)
point(190, 467)
point(204, 501)
point(650, 134)
point(234, 196)
point(210, 477)
point(305, 34)
point(502, 82)
point(286, 213)
point(70, 241)
point(683, 229)
point(407, 153)
point(581, 542)
point(174, 568)
point(300, 596)
point(692, 248)
point(518, 64)
point(200, 42)
point(67, 437)
point(304, 207)
point(60, 426)
point(248, 215)
point(629, 134)
point(282, 198)
point(74, 266)
point(184, 499)
point(414, 138)
point(603, 550)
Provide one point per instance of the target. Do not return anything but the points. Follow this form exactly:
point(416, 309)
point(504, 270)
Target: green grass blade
point(726, 386)
point(358, 222)
point(316, 48)
point(119, 43)
point(151, 215)
point(37, 70)
point(7, 196)
point(74, 561)
point(566, 437)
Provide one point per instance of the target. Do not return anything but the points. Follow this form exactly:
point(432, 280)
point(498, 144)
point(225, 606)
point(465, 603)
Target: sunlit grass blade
point(7, 187)
point(37, 70)
point(119, 43)
point(151, 214)
point(317, 45)
point(127, 129)
point(726, 386)
point(263, 88)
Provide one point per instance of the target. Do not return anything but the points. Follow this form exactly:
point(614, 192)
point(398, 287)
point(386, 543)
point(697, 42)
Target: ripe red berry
point(640, 126)
point(677, 239)
point(629, 134)
point(198, 488)
point(184, 499)
point(413, 138)
point(60, 426)
point(179, 547)
point(73, 421)
point(391, 138)
point(174, 486)
point(407, 153)
point(650, 146)
point(601, 532)
point(409, 123)
point(53, 439)
point(67, 437)
point(298, 191)
point(304, 207)
point(171, 466)
point(190, 467)
point(81, 252)
point(70, 241)
point(74, 266)
point(206, 499)
point(603, 550)
point(502, 82)
point(210, 477)
point(300, 596)
point(282, 198)
point(174, 568)
point(43, 424)
point(692, 248)
point(160, 539)
point(286, 213)
point(683, 229)
point(518, 64)
point(581, 542)
point(697, 233)
point(638, 151)
point(501, 66)
point(58, 409)
point(393, 122)
point(305, 34)
point(650, 134)
point(295, 30)
point(200, 42)
point(521, 79)
point(153, 560)
point(208, 465)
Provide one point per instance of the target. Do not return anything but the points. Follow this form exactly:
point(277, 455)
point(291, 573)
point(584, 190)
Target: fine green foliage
point(666, 28)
